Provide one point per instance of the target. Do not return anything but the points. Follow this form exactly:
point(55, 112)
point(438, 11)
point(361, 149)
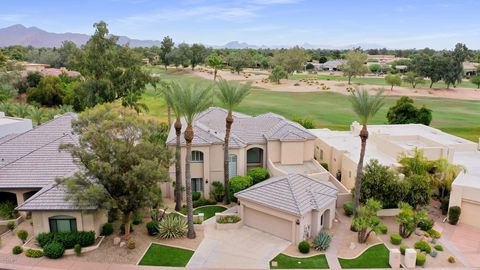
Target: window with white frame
point(197, 156)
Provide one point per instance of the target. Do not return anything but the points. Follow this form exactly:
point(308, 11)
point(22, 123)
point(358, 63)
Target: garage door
point(470, 214)
point(268, 223)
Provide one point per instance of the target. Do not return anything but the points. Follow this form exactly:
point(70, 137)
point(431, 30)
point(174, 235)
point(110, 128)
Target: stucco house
point(267, 140)
point(29, 164)
point(386, 143)
point(294, 207)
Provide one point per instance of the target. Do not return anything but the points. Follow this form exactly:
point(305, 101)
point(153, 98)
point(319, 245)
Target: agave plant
point(172, 226)
point(322, 241)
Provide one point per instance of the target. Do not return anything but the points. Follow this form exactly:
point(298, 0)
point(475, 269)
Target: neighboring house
point(29, 164)
point(268, 141)
point(387, 143)
point(294, 207)
point(9, 126)
point(470, 69)
point(331, 65)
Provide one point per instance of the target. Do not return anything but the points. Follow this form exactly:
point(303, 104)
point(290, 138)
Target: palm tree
point(192, 100)
point(171, 92)
point(36, 113)
point(22, 110)
point(444, 175)
point(230, 94)
point(365, 106)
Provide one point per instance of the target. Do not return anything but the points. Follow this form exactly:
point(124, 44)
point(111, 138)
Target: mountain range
point(33, 36)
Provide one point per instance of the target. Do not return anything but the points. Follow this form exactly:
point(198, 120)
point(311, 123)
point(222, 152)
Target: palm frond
point(232, 93)
point(366, 105)
point(193, 99)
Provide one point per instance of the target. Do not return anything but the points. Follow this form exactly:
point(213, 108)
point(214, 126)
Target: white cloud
point(11, 17)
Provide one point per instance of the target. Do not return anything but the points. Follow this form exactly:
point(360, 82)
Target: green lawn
point(209, 211)
point(160, 255)
point(287, 262)
point(373, 80)
point(374, 257)
point(333, 110)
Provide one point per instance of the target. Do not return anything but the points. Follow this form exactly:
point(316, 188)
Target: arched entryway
point(254, 157)
point(28, 195)
point(6, 196)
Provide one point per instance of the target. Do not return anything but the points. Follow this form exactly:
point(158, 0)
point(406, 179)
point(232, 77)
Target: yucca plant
point(172, 226)
point(322, 241)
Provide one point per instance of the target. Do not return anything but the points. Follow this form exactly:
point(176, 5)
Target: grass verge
point(160, 255)
point(374, 257)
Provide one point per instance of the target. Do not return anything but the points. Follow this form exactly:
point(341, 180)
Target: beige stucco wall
point(274, 151)
point(292, 152)
point(468, 200)
point(86, 221)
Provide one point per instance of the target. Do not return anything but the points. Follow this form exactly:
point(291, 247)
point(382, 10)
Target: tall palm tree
point(230, 94)
point(215, 62)
point(37, 113)
point(171, 92)
point(192, 99)
point(444, 174)
point(365, 106)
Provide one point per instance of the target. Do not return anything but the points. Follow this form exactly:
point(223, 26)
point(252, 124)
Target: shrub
point(433, 253)
point(421, 259)
point(305, 122)
point(238, 183)
point(107, 229)
point(403, 247)
point(426, 225)
point(258, 175)
point(131, 244)
point(395, 239)
point(137, 218)
point(122, 228)
point(22, 235)
point(33, 253)
point(348, 208)
point(172, 226)
point(324, 165)
point(196, 195)
point(202, 202)
point(423, 246)
point(383, 228)
point(17, 250)
point(11, 225)
point(434, 234)
point(49, 92)
point(218, 191)
point(78, 249)
point(438, 247)
point(444, 205)
point(454, 214)
point(53, 250)
point(7, 210)
point(451, 259)
point(67, 239)
point(228, 219)
point(322, 241)
point(304, 247)
point(152, 227)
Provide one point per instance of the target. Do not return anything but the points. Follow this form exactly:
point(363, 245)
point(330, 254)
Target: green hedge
point(107, 229)
point(67, 239)
point(202, 201)
point(395, 239)
point(238, 183)
point(53, 250)
point(258, 175)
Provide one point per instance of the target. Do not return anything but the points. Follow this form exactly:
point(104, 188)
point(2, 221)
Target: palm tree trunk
point(169, 116)
point(178, 167)
point(358, 178)
point(229, 122)
point(188, 182)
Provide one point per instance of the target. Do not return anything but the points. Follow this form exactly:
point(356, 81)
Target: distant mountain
point(32, 36)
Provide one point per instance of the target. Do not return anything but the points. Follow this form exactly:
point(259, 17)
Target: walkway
point(242, 248)
point(337, 239)
point(462, 240)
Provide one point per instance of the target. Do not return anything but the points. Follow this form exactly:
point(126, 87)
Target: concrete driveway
point(242, 248)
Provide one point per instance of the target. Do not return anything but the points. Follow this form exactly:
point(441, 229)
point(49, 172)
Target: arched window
point(197, 156)
point(62, 224)
point(254, 157)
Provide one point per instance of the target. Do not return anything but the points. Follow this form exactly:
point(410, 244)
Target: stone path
point(337, 239)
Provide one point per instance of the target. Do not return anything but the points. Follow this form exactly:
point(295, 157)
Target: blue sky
point(392, 23)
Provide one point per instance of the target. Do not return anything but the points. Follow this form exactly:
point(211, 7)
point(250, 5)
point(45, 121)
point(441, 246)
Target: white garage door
point(470, 214)
point(268, 223)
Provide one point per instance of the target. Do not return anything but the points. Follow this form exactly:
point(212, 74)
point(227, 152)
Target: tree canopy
point(123, 158)
point(405, 112)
